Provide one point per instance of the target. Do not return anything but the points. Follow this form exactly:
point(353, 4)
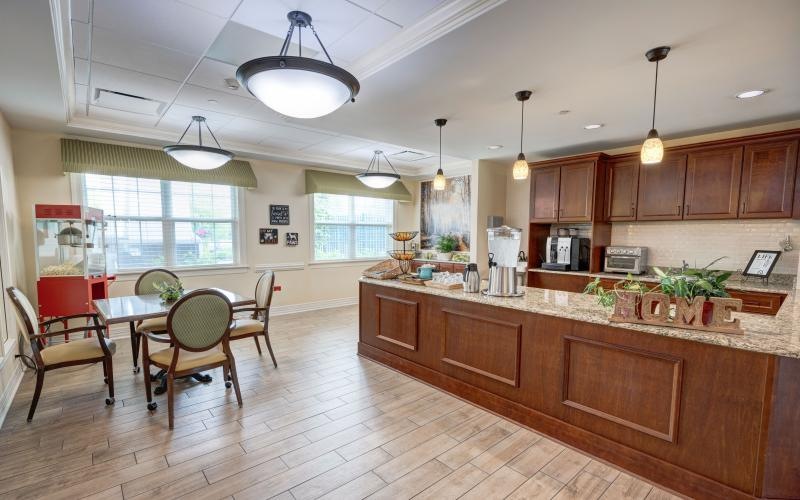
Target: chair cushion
point(75, 350)
point(245, 326)
point(153, 325)
point(188, 359)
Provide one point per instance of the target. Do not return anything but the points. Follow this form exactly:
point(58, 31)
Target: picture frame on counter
point(761, 264)
point(268, 236)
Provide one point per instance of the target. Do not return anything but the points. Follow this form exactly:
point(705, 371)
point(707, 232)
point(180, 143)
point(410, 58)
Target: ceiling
point(417, 60)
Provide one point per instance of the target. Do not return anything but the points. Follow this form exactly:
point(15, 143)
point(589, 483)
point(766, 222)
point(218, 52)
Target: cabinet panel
point(768, 180)
point(576, 194)
point(622, 186)
point(713, 178)
point(661, 189)
point(544, 194)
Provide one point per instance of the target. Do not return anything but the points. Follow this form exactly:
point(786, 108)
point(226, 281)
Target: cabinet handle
point(555, 213)
point(686, 210)
point(744, 207)
point(679, 209)
point(632, 208)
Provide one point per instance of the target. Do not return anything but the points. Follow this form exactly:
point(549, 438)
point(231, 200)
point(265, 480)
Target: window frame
point(312, 258)
point(239, 231)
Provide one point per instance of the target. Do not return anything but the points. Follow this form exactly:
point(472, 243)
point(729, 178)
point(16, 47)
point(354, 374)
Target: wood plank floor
point(325, 424)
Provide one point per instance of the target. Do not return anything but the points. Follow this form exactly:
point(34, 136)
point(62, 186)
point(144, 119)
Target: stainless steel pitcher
point(472, 279)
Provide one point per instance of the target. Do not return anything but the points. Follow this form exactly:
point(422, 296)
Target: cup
point(425, 272)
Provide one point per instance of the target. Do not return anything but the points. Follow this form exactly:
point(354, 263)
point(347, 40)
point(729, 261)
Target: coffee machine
point(504, 244)
point(566, 253)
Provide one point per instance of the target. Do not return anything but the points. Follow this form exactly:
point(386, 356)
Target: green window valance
point(111, 159)
point(318, 181)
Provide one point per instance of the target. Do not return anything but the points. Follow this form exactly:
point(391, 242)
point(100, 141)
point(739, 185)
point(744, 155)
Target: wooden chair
point(146, 285)
point(196, 324)
point(258, 322)
point(76, 352)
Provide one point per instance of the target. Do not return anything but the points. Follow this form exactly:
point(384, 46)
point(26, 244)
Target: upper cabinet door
point(544, 194)
point(622, 187)
point(713, 178)
point(576, 198)
point(661, 189)
point(768, 180)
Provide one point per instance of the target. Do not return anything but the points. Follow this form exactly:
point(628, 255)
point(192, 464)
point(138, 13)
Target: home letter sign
point(654, 309)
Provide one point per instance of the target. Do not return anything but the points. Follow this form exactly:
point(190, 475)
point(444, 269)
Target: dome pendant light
point(653, 148)
point(378, 179)
point(439, 182)
point(198, 156)
point(521, 169)
point(298, 86)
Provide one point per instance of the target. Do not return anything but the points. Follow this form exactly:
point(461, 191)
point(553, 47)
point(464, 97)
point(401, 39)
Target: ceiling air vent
point(121, 101)
point(409, 155)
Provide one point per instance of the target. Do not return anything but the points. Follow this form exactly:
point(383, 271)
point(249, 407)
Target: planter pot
point(444, 256)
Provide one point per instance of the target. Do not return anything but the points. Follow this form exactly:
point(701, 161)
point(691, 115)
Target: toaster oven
point(626, 260)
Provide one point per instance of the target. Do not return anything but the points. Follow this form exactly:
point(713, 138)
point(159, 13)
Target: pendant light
point(298, 86)
point(521, 169)
point(196, 155)
point(377, 179)
point(653, 148)
point(439, 182)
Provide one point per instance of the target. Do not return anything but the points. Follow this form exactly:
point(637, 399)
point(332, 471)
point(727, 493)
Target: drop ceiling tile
point(80, 40)
point(407, 12)
point(198, 97)
point(371, 33)
point(131, 82)
point(211, 74)
point(80, 94)
point(110, 47)
point(161, 22)
point(221, 8)
point(238, 43)
point(181, 116)
point(370, 5)
point(280, 132)
point(121, 117)
point(79, 10)
point(81, 71)
point(336, 146)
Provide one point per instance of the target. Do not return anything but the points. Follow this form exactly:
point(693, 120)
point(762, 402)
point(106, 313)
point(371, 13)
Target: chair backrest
point(26, 313)
point(146, 284)
point(264, 287)
point(200, 320)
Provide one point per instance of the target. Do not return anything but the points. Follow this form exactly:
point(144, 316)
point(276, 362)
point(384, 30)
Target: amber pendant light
point(439, 182)
point(521, 169)
point(653, 148)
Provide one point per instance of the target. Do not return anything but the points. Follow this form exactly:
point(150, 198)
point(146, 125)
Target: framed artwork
point(761, 263)
point(445, 212)
point(268, 236)
point(292, 239)
point(279, 215)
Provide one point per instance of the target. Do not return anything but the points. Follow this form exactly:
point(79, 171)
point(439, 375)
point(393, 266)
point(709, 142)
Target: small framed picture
point(268, 236)
point(761, 263)
point(279, 215)
point(292, 239)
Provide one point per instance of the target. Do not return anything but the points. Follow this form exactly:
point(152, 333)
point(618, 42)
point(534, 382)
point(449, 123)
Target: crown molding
point(59, 17)
point(433, 26)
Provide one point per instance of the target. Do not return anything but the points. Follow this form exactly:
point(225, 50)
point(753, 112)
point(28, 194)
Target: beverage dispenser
point(504, 244)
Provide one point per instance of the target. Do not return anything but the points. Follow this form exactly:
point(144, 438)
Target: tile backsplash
point(700, 242)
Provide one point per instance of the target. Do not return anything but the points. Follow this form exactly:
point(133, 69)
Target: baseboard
point(7, 397)
point(312, 306)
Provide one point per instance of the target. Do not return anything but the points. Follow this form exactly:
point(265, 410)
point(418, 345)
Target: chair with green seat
point(258, 322)
point(146, 285)
point(197, 324)
point(85, 351)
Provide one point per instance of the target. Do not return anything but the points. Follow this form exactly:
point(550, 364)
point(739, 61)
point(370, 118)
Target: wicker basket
point(386, 270)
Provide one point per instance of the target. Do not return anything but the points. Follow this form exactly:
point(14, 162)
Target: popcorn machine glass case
point(70, 259)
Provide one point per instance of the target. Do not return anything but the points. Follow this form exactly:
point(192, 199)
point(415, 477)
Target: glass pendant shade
point(296, 86)
point(198, 156)
point(652, 149)
point(439, 182)
point(521, 169)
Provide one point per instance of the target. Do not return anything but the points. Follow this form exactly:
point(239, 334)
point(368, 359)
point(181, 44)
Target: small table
point(132, 308)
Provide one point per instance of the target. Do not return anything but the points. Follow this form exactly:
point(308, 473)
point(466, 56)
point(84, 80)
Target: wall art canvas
point(268, 236)
point(292, 239)
point(445, 212)
point(279, 215)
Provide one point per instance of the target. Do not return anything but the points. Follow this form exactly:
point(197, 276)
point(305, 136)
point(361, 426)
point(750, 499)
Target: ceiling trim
point(433, 26)
point(59, 17)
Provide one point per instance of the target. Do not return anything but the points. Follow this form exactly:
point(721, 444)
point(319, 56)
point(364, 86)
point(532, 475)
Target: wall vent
point(122, 101)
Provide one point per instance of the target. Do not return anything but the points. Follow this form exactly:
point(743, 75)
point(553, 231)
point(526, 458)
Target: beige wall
point(488, 198)
point(40, 180)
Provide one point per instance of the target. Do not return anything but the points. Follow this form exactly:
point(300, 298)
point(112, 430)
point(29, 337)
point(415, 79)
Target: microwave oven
point(626, 260)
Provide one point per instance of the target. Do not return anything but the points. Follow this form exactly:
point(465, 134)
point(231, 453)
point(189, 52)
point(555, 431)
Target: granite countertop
point(778, 335)
point(779, 283)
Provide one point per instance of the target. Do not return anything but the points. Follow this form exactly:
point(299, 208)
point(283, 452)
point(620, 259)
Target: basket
point(404, 235)
point(386, 270)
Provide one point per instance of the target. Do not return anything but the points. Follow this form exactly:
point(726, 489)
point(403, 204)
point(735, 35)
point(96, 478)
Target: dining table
point(132, 309)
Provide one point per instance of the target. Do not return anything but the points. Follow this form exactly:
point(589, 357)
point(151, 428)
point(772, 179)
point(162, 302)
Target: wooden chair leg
point(110, 380)
point(258, 346)
point(170, 396)
point(269, 347)
point(36, 393)
point(105, 372)
point(235, 379)
point(146, 372)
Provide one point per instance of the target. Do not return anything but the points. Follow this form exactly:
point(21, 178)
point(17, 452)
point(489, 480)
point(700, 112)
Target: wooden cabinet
point(759, 302)
point(622, 187)
point(712, 183)
point(576, 192)
point(661, 189)
point(544, 194)
point(768, 174)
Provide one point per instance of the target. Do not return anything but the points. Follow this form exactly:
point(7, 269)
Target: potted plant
point(169, 292)
point(607, 298)
point(445, 246)
point(691, 283)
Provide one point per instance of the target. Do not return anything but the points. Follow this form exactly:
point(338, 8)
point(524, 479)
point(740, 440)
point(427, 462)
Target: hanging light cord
point(376, 161)
point(522, 126)
point(440, 147)
point(655, 94)
point(288, 40)
point(199, 132)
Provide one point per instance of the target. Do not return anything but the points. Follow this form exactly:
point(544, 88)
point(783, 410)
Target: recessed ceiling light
point(495, 146)
point(593, 126)
point(563, 112)
point(213, 101)
point(747, 94)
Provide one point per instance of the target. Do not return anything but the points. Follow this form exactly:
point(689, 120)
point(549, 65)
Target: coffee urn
point(504, 244)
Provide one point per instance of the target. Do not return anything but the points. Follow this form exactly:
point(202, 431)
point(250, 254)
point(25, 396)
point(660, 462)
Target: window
point(351, 227)
point(166, 223)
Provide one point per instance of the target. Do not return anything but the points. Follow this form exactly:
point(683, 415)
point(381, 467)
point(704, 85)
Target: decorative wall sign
point(761, 263)
point(292, 239)
point(653, 308)
point(279, 215)
point(268, 236)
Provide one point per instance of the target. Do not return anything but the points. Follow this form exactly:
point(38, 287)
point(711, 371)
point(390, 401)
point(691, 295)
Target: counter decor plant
point(169, 292)
point(608, 297)
point(691, 283)
point(445, 246)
